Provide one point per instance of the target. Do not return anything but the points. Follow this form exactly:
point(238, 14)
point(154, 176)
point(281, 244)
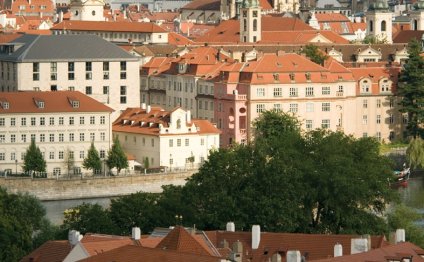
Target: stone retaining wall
point(52, 189)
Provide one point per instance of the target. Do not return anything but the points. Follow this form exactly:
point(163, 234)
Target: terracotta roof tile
point(203, 5)
point(331, 17)
point(35, 4)
point(109, 26)
point(177, 39)
point(54, 101)
point(51, 251)
point(407, 35)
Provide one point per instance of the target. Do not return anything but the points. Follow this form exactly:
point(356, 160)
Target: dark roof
point(30, 48)
point(407, 35)
point(203, 5)
point(51, 251)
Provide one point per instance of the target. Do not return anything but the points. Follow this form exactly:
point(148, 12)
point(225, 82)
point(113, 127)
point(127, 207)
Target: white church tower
point(250, 21)
point(87, 10)
point(379, 21)
point(417, 16)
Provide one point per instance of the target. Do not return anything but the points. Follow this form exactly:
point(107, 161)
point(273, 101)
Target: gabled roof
point(400, 252)
point(144, 254)
point(54, 102)
point(331, 17)
point(33, 7)
point(177, 39)
point(51, 251)
point(98, 243)
point(182, 241)
point(112, 26)
point(406, 36)
point(83, 47)
point(203, 5)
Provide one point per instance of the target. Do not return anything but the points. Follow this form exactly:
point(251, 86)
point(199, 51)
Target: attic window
point(40, 104)
point(4, 104)
point(308, 76)
point(75, 104)
point(291, 76)
point(276, 77)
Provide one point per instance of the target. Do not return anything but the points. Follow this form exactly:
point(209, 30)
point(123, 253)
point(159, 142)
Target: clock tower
point(87, 10)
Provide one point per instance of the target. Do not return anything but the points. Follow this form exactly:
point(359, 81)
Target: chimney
point(143, 105)
point(149, 108)
point(135, 233)
point(358, 245)
point(293, 256)
point(60, 16)
point(74, 237)
point(400, 235)
point(256, 236)
point(276, 258)
point(237, 254)
point(188, 116)
point(231, 227)
point(338, 250)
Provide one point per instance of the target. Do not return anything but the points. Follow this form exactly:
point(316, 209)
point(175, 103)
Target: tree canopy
point(34, 160)
point(314, 54)
point(92, 161)
point(411, 90)
point(116, 156)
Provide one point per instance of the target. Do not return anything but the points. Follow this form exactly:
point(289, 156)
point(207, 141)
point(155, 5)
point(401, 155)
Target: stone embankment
point(92, 187)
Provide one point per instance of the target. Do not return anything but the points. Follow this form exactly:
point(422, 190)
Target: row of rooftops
point(188, 244)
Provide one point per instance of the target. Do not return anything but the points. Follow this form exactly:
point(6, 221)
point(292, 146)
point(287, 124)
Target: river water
point(412, 196)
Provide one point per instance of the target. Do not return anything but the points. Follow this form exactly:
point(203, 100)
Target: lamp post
point(16, 166)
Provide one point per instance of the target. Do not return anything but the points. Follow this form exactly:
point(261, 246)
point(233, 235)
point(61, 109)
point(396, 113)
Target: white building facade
point(63, 125)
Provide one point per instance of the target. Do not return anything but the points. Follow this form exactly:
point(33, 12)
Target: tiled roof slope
point(5, 38)
point(182, 241)
point(54, 102)
point(36, 4)
point(203, 5)
point(97, 243)
point(314, 245)
point(400, 252)
point(65, 48)
point(407, 35)
point(51, 251)
point(144, 254)
point(331, 17)
point(109, 26)
point(375, 74)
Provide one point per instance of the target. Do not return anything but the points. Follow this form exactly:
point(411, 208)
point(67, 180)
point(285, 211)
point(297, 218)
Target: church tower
point(379, 21)
point(250, 21)
point(87, 10)
point(417, 16)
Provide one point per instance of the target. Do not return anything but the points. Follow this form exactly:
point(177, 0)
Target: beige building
point(171, 139)
point(62, 123)
point(84, 63)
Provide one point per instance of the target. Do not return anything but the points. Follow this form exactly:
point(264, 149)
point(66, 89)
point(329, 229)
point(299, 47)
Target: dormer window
point(182, 68)
point(291, 76)
point(4, 104)
point(308, 76)
point(365, 86)
point(385, 85)
point(75, 104)
point(40, 104)
point(179, 124)
point(276, 77)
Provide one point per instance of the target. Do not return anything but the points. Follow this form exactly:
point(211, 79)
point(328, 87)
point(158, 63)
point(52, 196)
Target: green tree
point(314, 54)
point(116, 156)
point(20, 217)
point(402, 216)
point(92, 161)
point(135, 210)
point(88, 218)
point(34, 160)
point(411, 89)
point(415, 153)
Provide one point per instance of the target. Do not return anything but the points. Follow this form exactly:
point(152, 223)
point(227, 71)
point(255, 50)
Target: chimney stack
point(231, 227)
point(256, 236)
point(136, 233)
point(188, 116)
point(237, 252)
point(143, 105)
point(74, 237)
point(149, 108)
point(338, 250)
point(400, 235)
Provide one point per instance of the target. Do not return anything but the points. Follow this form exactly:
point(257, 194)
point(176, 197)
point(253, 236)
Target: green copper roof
point(379, 5)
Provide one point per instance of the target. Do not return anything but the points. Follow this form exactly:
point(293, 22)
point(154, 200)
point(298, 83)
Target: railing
point(241, 97)
point(339, 93)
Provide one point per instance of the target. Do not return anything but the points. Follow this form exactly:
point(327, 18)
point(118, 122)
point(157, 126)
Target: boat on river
point(401, 177)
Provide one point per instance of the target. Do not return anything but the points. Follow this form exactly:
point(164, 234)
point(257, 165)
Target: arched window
point(244, 25)
point(383, 26)
point(255, 25)
point(371, 26)
point(178, 123)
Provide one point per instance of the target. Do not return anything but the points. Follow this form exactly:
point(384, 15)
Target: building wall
point(123, 37)
point(80, 83)
point(14, 149)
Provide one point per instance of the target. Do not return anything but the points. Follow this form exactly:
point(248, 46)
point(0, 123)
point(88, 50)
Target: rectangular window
point(81, 155)
point(42, 138)
point(2, 121)
point(81, 137)
point(51, 121)
point(171, 143)
point(325, 107)
point(92, 120)
point(35, 71)
point(82, 120)
point(51, 155)
point(71, 71)
point(102, 154)
point(42, 121)
point(309, 91)
point(102, 136)
point(123, 92)
point(153, 142)
point(202, 141)
point(260, 108)
point(13, 156)
point(325, 90)
point(105, 70)
point(309, 107)
point(260, 92)
point(123, 66)
point(61, 137)
point(378, 103)
point(12, 121)
point(88, 70)
point(187, 143)
point(293, 92)
point(12, 138)
point(309, 124)
point(33, 122)
point(293, 108)
point(71, 137)
point(105, 90)
point(88, 90)
point(23, 121)
point(71, 121)
point(2, 138)
point(61, 120)
point(178, 142)
point(51, 137)
point(92, 136)
point(61, 154)
point(2, 156)
point(102, 120)
point(325, 123)
point(277, 107)
point(378, 119)
point(391, 119)
point(364, 119)
point(278, 92)
point(53, 71)
point(364, 103)
point(23, 138)
point(391, 102)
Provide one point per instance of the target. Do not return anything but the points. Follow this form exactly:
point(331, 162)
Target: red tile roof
point(51, 251)
point(375, 74)
point(144, 254)
point(407, 35)
point(177, 39)
point(36, 7)
point(331, 17)
point(97, 243)
point(153, 16)
point(400, 252)
point(54, 102)
point(136, 27)
point(5, 38)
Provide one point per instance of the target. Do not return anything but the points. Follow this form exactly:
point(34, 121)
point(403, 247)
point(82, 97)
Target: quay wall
point(92, 187)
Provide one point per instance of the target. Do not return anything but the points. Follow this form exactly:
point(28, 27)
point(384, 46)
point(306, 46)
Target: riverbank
point(93, 187)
